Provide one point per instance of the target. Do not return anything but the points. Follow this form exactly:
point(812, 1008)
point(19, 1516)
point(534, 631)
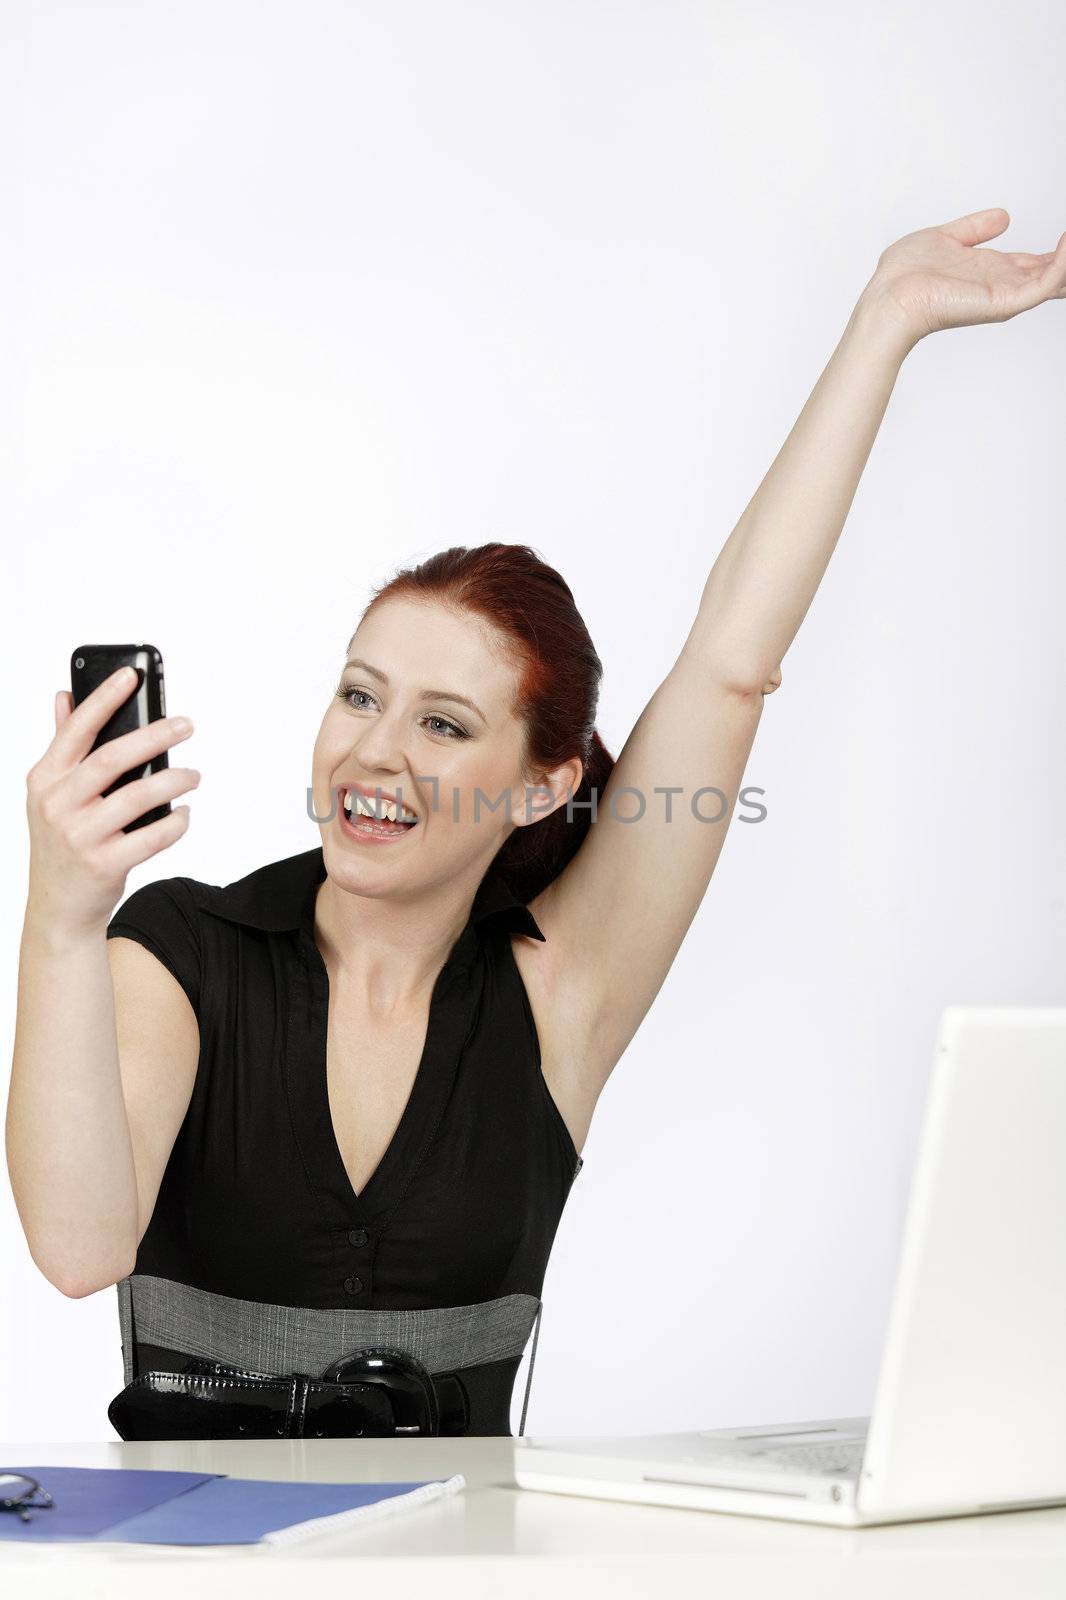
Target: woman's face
point(400, 723)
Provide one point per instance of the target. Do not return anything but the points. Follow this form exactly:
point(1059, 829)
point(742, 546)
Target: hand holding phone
point(90, 666)
point(98, 800)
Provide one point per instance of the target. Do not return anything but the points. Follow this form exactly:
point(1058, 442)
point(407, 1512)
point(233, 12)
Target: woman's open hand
point(937, 278)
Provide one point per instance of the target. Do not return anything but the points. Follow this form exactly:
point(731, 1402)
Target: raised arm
point(615, 917)
point(768, 571)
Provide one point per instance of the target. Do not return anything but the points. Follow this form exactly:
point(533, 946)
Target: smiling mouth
point(361, 809)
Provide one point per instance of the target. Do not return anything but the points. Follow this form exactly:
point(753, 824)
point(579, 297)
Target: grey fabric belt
point(285, 1339)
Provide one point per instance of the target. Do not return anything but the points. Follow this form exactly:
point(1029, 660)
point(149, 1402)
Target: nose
point(379, 746)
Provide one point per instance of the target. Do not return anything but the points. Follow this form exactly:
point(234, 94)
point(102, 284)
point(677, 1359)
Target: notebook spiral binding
point(356, 1516)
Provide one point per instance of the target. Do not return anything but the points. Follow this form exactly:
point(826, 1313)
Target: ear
point(542, 795)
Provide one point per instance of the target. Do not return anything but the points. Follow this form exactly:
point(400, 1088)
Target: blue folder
point(155, 1507)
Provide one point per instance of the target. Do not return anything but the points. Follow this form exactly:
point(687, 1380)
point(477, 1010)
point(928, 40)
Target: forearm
point(769, 569)
point(69, 1152)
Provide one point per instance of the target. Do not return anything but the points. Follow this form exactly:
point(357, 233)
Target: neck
point(384, 950)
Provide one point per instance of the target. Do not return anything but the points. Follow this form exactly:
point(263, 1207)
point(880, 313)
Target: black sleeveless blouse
point(255, 1202)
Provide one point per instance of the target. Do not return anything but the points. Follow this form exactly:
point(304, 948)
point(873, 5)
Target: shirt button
point(353, 1285)
point(357, 1236)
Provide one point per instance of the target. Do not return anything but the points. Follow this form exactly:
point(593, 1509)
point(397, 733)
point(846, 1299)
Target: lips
point(376, 797)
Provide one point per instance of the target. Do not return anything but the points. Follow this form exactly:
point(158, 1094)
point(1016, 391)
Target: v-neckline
point(405, 1132)
point(447, 1028)
point(452, 1017)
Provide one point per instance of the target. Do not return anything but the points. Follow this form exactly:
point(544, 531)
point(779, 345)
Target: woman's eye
point(346, 695)
point(453, 730)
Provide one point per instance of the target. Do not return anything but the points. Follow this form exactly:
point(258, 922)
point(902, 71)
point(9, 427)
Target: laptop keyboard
point(833, 1455)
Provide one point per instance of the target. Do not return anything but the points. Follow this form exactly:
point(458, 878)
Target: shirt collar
point(279, 897)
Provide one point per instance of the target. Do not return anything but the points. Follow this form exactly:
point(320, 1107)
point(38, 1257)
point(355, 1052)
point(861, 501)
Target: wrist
point(879, 321)
point(50, 935)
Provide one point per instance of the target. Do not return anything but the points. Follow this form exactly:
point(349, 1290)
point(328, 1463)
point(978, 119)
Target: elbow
point(72, 1289)
point(753, 685)
point(76, 1286)
point(746, 680)
point(72, 1276)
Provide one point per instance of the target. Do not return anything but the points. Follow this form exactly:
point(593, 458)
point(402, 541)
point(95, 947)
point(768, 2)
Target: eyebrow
point(427, 694)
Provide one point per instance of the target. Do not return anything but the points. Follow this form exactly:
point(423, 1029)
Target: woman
point(320, 1125)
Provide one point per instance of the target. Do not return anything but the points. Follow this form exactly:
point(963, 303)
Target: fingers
point(977, 226)
point(133, 799)
point(1049, 281)
point(130, 752)
point(77, 726)
point(86, 773)
point(129, 849)
point(80, 853)
point(1056, 269)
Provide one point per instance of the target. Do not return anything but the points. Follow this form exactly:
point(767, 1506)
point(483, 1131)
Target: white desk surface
point(494, 1539)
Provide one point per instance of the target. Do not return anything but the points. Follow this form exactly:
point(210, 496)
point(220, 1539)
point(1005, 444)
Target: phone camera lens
point(79, 661)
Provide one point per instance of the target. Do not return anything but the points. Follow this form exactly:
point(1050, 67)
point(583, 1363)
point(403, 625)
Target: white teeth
point(365, 807)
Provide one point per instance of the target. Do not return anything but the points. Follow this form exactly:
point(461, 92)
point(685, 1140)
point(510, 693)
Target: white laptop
point(969, 1410)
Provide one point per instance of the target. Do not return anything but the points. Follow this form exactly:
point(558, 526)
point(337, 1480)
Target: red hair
point(531, 608)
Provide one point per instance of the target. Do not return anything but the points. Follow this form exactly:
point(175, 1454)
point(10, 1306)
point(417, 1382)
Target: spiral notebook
point(114, 1504)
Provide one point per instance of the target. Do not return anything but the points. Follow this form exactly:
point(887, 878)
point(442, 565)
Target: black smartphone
point(90, 664)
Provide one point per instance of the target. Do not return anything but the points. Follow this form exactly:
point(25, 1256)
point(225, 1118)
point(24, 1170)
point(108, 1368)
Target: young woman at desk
point(319, 1126)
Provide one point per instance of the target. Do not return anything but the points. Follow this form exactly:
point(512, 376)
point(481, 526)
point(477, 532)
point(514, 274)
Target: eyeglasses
point(18, 1493)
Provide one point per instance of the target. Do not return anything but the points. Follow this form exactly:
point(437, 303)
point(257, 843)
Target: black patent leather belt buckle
point(401, 1377)
point(380, 1392)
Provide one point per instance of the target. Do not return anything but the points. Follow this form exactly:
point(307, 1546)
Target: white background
point(296, 294)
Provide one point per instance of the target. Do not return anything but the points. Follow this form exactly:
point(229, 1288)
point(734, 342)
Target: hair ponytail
point(532, 856)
